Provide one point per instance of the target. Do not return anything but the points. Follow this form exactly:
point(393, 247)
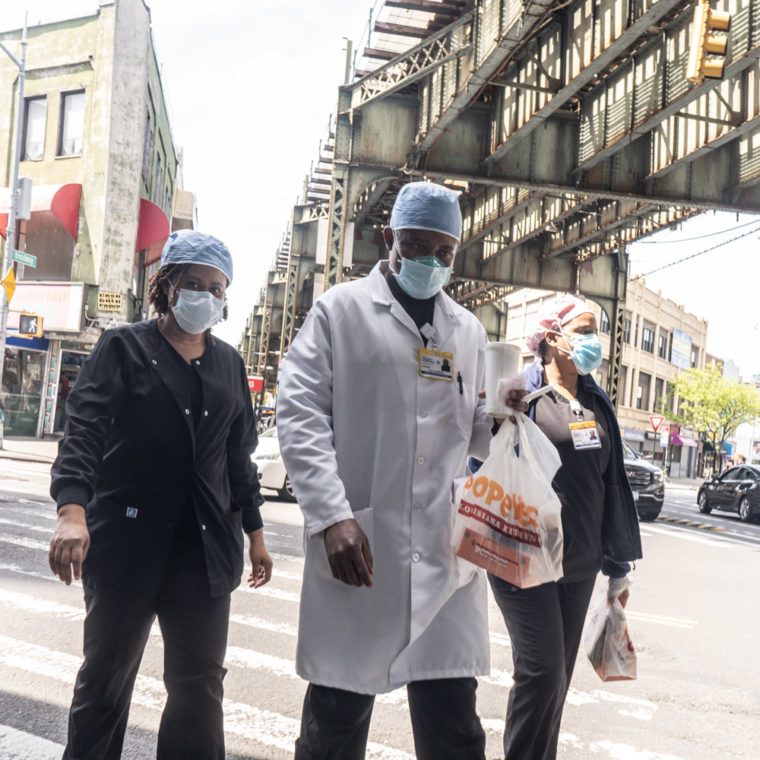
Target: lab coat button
point(416, 557)
point(420, 460)
point(417, 505)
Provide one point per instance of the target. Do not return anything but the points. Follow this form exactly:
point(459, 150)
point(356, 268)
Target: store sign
point(60, 304)
point(255, 384)
point(109, 301)
point(680, 353)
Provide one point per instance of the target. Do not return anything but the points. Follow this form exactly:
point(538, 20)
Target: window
point(158, 185)
point(34, 129)
point(642, 391)
point(659, 390)
point(636, 333)
point(622, 385)
point(647, 337)
point(694, 355)
point(147, 164)
point(604, 323)
point(662, 344)
point(72, 124)
point(627, 327)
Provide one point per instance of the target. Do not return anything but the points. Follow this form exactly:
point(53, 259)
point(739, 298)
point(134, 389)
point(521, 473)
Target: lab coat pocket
point(464, 403)
point(317, 554)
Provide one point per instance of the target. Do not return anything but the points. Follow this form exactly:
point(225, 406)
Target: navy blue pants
point(194, 627)
point(545, 624)
point(445, 725)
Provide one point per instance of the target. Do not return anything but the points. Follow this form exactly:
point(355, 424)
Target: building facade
point(97, 146)
point(660, 340)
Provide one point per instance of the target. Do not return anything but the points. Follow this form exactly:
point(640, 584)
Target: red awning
point(62, 200)
point(152, 231)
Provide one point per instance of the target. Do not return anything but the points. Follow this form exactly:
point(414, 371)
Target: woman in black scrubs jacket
point(155, 486)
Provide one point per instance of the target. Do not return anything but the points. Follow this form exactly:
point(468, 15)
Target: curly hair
point(158, 297)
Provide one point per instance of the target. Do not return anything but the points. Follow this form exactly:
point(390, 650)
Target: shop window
point(71, 129)
point(21, 390)
point(33, 141)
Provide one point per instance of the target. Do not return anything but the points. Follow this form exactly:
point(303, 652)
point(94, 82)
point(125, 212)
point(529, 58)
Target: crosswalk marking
point(18, 745)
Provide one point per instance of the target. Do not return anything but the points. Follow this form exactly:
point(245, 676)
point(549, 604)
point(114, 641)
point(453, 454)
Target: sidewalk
point(30, 449)
point(683, 484)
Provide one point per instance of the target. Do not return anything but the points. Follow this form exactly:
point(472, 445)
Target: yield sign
point(656, 420)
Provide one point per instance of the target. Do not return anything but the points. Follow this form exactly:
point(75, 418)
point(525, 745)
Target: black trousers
point(545, 624)
point(194, 627)
point(445, 725)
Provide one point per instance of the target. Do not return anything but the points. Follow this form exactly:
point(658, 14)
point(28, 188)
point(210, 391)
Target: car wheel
point(648, 516)
point(704, 504)
point(286, 492)
point(745, 511)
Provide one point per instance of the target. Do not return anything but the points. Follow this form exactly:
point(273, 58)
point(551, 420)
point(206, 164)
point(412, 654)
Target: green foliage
point(712, 404)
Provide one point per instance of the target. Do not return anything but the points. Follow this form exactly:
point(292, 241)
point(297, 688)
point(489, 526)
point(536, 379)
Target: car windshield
point(629, 452)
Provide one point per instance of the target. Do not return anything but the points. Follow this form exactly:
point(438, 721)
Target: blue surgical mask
point(422, 277)
point(586, 353)
point(196, 311)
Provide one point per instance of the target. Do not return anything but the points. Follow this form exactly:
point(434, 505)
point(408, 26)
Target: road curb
point(22, 457)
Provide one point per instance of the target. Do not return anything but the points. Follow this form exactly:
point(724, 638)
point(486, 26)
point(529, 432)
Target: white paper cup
point(501, 362)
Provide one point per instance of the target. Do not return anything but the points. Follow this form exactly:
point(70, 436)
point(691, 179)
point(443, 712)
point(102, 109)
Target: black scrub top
point(579, 482)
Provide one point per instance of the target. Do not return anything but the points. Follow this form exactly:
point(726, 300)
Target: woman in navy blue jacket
point(599, 522)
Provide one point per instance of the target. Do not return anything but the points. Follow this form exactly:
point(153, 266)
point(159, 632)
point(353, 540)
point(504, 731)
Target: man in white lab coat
point(377, 411)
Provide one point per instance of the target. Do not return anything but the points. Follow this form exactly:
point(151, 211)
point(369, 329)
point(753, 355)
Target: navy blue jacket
point(621, 540)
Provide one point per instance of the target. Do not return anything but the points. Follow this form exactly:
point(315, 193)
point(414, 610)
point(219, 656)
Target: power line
point(699, 253)
point(696, 237)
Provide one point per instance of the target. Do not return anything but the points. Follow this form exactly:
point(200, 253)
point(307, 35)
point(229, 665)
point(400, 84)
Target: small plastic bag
point(607, 641)
point(508, 517)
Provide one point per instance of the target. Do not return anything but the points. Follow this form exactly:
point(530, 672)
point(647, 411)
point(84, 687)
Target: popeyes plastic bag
point(508, 516)
point(607, 641)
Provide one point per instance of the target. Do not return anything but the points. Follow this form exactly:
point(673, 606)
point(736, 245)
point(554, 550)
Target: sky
point(250, 88)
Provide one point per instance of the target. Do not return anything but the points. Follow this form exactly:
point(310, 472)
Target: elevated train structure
point(571, 127)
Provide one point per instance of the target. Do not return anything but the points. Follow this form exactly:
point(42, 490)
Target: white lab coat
point(364, 436)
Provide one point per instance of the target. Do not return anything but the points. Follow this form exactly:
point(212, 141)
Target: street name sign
point(24, 258)
point(656, 420)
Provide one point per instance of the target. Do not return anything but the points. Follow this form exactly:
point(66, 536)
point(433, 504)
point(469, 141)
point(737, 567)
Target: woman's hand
point(261, 562)
point(70, 543)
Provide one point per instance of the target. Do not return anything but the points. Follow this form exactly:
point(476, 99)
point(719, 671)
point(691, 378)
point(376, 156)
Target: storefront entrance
point(71, 366)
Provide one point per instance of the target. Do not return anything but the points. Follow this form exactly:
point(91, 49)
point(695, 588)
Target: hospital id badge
point(585, 435)
point(436, 365)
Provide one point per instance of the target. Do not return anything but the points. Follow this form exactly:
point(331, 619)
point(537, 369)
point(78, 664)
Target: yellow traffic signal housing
point(29, 326)
point(709, 40)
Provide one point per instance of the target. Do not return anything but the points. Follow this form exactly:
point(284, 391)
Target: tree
point(711, 404)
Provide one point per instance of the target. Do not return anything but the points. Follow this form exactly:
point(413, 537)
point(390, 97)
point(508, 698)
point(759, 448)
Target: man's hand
point(514, 399)
point(70, 543)
point(349, 553)
point(261, 562)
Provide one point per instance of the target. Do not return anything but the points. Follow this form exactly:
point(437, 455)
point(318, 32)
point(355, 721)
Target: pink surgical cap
point(554, 314)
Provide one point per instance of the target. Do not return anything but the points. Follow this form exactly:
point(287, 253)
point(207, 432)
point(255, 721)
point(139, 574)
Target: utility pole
point(10, 236)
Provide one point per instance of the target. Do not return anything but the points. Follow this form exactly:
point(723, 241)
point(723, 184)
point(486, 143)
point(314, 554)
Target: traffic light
point(30, 326)
point(709, 40)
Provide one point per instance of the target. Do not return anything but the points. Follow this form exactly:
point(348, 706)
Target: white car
point(268, 460)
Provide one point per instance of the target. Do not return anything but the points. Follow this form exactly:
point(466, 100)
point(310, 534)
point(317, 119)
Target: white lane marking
point(26, 543)
point(28, 603)
point(265, 625)
point(9, 568)
point(502, 639)
point(26, 526)
point(46, 512)
point(18, 745)
point(626, 752)
point(276, 557)
point(261, 726)
point(676, 531)
point(642, 709)
point(646, 617)
point(272, 593)
point(499, 678)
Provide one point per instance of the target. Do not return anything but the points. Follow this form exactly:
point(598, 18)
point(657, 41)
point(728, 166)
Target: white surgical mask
point(422, 277)
point(196, 311)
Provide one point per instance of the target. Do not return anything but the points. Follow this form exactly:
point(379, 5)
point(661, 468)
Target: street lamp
point(10, 236)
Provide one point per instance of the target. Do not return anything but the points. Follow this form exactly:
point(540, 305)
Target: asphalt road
point(693, 616)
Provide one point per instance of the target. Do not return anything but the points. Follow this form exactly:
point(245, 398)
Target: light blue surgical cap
point(192, 247)
point(425, 206)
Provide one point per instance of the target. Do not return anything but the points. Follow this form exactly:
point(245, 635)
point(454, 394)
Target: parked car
point(647, 482)
point(735, 490)
point(268, 460)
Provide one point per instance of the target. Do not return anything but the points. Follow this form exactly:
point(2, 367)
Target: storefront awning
point(152, 231)
point(61, 200)
point(689, 442)
point(675, 440)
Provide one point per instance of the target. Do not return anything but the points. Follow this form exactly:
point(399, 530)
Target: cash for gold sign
point(109, 301)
